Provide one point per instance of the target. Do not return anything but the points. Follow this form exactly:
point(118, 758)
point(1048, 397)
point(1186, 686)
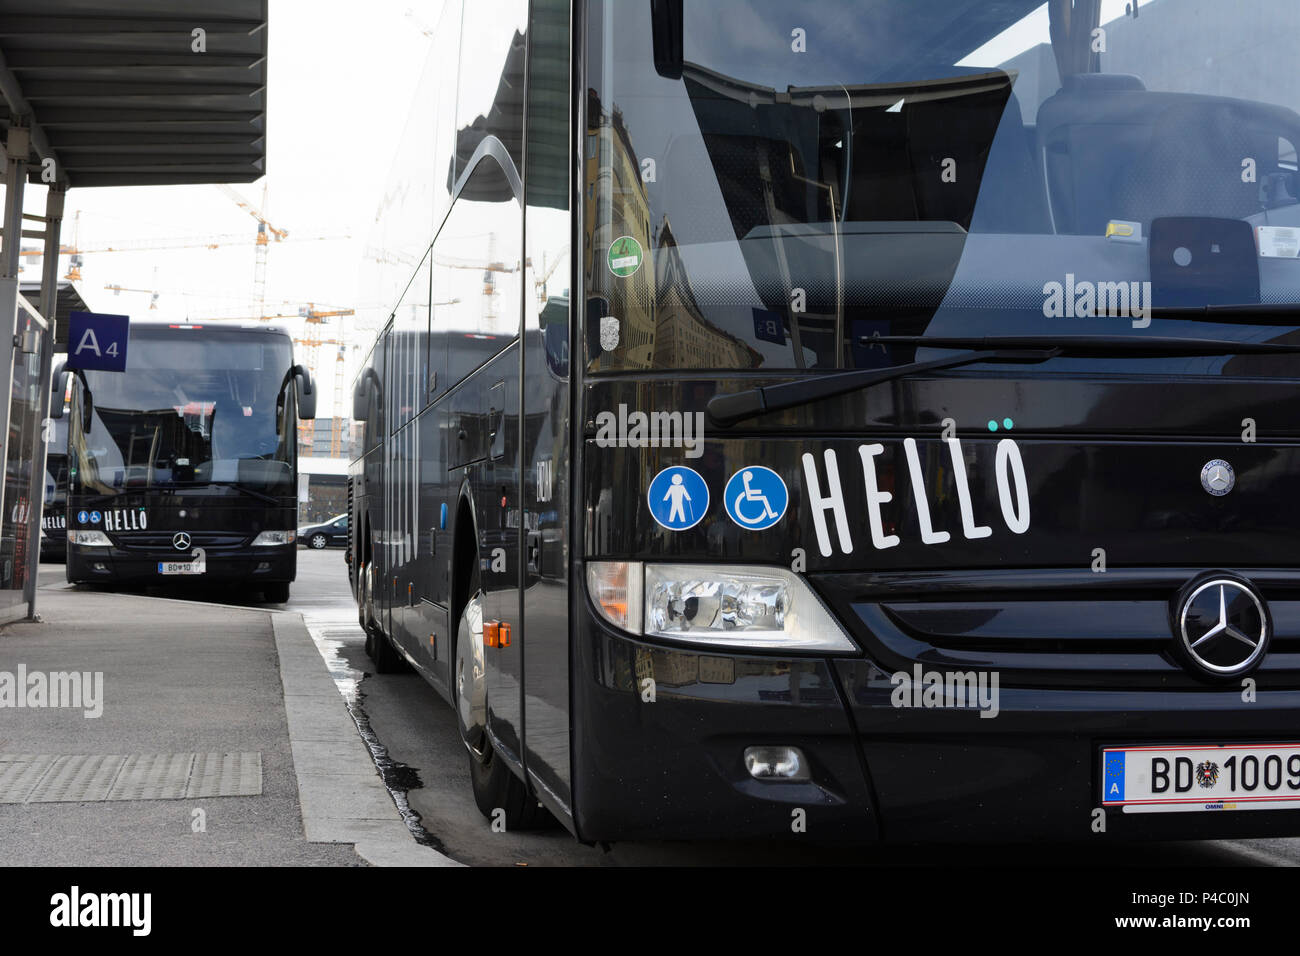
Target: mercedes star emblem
point(1222, 627)
point(1217, 477)
point(181, 541)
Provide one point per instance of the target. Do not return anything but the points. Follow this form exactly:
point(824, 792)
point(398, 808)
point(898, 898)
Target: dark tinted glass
point(811, 175)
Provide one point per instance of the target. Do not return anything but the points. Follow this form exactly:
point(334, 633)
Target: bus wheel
point(379, 648)
point(496, 788)
point(277, 593)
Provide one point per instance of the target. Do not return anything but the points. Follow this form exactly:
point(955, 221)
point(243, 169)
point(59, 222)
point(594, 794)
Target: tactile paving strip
point(79, 778)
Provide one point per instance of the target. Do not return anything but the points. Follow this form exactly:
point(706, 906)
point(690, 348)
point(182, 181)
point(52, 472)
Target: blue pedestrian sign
point(97, 341)
point(82, 517)
point(678, 498)
point(756, 497)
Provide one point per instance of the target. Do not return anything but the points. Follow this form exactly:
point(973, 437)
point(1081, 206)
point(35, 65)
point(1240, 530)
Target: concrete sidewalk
point(191, 762)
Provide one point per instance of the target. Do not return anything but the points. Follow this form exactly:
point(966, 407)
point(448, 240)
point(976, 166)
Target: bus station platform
point(192, 734)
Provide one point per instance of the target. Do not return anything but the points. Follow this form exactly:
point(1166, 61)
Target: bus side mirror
point(58, 388)
point(306, 392)
point(666, 23)
point(360, 400)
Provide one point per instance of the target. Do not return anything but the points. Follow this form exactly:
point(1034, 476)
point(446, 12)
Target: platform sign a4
point(97, 341)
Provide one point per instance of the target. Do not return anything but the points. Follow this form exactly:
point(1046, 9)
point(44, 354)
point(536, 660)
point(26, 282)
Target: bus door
point(501, 566)
point(546, 434)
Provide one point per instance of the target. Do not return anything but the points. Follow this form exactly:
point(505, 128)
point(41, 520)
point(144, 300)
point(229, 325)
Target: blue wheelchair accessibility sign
point(678, 498)
point(756, 497)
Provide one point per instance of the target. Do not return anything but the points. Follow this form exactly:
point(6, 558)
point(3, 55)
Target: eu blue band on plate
point(1113, 777)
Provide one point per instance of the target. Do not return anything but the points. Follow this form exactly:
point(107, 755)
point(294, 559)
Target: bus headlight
point(274, 537)
point(734, 606)
point(89, 539)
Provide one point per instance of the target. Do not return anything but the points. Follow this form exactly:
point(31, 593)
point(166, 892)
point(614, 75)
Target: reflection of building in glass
point(617, 205)
point(684, 338)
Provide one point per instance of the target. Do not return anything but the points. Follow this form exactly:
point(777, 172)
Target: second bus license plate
point(181, 567)
point(1201, 777)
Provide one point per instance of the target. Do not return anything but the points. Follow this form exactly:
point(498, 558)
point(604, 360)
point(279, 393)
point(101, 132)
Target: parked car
point(328, 534)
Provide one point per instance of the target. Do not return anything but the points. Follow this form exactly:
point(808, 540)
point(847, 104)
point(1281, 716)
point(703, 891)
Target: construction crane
point(152, 293)
point(156, 292)
point(314, 319)
point(265, 233)
point(76, 251)
point(306, 433)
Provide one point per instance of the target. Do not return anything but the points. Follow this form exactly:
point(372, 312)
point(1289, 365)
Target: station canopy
point(66, 301)
point(128, 93)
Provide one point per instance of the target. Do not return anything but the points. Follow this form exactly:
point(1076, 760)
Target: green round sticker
point(624, 256)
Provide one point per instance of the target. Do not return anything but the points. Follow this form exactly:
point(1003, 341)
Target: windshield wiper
point(1285, 313)
point(728, 409)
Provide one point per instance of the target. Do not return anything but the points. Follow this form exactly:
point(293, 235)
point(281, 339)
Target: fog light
point(776, 763)
point(100, 566)
point(264, 566)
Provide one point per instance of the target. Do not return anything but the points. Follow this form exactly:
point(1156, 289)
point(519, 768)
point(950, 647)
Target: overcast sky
point(341, 76)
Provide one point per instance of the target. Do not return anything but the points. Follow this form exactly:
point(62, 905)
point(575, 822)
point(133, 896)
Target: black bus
point(54, 512)
point(185, 466)
point(868, 420)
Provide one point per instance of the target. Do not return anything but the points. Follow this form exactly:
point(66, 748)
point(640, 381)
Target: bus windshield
point(795, 180)
point(195, 406)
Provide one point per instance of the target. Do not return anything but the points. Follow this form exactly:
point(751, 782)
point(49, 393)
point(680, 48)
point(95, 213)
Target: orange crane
point(265, 233)
point(315, 318)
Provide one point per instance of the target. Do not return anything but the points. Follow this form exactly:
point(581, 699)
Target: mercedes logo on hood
point(181, 541)
point(1221, 626)
point(1218, 477)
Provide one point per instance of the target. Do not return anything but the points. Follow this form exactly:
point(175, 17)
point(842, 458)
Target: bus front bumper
point(664, 733)
point(275, 563)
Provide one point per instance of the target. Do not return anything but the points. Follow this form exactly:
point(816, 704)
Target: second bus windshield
point(190, 408)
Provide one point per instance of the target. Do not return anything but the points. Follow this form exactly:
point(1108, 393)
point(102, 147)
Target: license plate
point(181, 567)
point(1201, 777)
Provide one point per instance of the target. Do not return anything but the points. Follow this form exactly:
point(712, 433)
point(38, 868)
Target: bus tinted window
point(852, 169)
point(187, 410)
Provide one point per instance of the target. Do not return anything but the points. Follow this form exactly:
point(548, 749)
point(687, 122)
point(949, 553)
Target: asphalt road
point(417, 729)
point(414, 727)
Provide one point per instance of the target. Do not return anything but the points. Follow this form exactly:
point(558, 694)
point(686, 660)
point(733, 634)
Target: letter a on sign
point(97, 341)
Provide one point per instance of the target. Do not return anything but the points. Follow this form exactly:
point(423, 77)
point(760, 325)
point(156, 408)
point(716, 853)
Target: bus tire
point(497, 789)
point(498, 793)
point(277, 593)
point(379, 648)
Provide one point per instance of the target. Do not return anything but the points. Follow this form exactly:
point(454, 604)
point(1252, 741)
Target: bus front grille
point(1058, 629)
